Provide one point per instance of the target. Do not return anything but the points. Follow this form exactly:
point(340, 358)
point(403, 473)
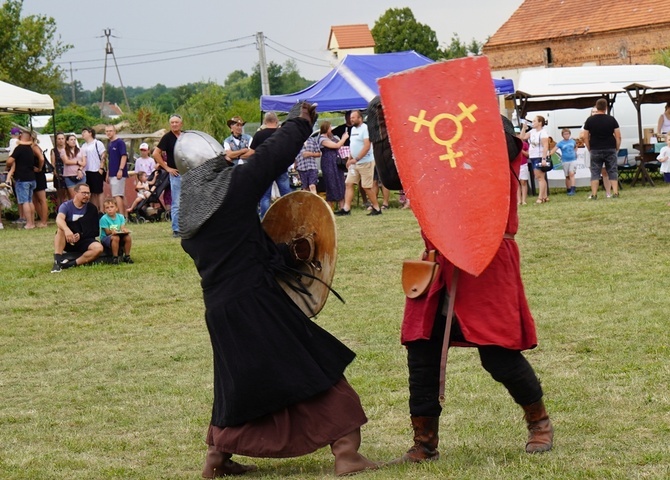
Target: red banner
point(447, 137)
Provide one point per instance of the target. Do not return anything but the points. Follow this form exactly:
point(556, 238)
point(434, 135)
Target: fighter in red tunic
point(490, 313)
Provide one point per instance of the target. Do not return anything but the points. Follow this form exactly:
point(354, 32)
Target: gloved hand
point(304, 110)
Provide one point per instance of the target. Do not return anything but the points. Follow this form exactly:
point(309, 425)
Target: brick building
point(569, 33)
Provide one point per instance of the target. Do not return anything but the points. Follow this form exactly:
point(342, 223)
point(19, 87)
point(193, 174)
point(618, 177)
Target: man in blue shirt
point(118, 166)
point(77, 223)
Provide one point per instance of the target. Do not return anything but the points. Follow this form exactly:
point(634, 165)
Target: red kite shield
point(447, 137)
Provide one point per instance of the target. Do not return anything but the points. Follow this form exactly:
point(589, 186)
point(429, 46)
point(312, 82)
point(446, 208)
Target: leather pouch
point(418, 275)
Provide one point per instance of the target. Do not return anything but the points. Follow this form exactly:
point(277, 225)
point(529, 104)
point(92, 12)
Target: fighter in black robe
point(279, 388)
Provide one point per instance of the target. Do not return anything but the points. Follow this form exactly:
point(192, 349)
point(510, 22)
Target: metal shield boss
point(303, 214)
point(444, 125)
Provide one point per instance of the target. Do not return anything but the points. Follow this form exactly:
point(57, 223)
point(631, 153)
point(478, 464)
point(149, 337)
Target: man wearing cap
point(145, 163)
point(14, 141)
point(166, 145)
point(238, 143)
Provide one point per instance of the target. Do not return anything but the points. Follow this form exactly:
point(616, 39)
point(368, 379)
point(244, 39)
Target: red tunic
point(490, 309)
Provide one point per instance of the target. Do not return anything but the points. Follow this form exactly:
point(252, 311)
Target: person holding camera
point(538, 154)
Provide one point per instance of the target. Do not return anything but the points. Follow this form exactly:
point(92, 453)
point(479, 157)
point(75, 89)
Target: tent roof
point(334, 93)
point(15, 99)
point(649, 92)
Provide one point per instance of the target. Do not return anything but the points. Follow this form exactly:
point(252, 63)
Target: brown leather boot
point(347, 459)
point(219, 464)
point(425, 441)
point(540, 430)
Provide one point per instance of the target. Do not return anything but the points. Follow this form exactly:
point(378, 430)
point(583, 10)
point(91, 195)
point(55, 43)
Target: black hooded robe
point(267, 354)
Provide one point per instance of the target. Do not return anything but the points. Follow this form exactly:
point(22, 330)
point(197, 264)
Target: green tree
point(112, 94)
point(397, 30)
point(30, 47)
point(72, 119)
point(274, 79)
point(458, 49)
point(146, 118)
point(291, 80)
point(235, 77)
point(206, 111)
point(282, 78)
point(662, 57)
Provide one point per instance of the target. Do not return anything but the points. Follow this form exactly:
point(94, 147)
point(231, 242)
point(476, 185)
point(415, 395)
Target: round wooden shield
point(303, 214)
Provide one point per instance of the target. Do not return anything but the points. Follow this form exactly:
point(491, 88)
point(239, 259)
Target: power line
point(295, 51)
point(297, 59)
point(170, 58)
point(163, 52)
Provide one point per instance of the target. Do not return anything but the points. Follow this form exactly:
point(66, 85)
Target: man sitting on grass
point(77, 223)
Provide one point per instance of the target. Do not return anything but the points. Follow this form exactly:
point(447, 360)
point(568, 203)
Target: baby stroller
point(151, 209)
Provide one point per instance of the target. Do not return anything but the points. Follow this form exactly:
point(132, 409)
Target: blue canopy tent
point(353, 82)
point(503, 86)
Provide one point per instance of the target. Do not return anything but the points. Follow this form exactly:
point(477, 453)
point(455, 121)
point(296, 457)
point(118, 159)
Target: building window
point(550, 60)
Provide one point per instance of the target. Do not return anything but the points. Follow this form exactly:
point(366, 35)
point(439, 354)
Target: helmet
point(193, 148)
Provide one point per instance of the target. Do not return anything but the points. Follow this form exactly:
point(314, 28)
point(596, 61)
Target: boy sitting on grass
point(113, 232)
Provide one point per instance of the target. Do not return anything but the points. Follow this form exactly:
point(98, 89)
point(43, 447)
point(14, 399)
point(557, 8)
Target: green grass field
point(106, 371)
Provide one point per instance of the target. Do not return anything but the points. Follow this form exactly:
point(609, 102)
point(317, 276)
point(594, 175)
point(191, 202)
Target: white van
point(562, 81)
point(574, 82)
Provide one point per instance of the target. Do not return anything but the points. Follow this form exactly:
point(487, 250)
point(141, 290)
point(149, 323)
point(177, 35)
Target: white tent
point(15, 99)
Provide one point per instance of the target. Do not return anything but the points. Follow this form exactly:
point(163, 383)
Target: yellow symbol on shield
point(466, 112)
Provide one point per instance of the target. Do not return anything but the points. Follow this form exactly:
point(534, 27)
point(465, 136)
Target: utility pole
point(74, 97)
point(110, 51)
point(262, 65)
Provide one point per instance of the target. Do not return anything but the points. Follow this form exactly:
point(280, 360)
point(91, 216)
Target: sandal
point(385, 207)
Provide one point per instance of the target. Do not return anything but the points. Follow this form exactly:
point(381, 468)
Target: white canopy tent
point(16, 100)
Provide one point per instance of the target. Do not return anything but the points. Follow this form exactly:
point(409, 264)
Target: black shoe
point(374, 212)
point(176, 235)
point(67, 263)
point(342, 212)
point(115, 260)
point(56, 267)
point(127, 259)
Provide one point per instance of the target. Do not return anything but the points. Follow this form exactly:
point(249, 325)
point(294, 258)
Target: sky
point(175, 43)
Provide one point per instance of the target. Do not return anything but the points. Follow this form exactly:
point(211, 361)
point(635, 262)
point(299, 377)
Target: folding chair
point(625, 167)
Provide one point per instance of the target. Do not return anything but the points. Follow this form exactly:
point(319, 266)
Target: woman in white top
point(538, 152)
point(664, 121)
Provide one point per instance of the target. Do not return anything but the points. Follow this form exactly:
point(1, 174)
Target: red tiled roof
point(351, 36)
point(545, 19)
